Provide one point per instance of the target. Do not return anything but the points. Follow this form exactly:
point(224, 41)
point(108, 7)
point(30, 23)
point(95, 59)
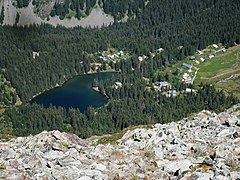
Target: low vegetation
point(223, 71)
point(8, 96)
point(112, 139)
point(2, 167)
point(22, 3)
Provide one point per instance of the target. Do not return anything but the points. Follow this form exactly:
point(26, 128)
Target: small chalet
point(188, 90)
point(197, 62)
point(117, 85)
point(215, 53)
point(215, 46)
point(223, 50)
point(211, 56)
point(172, 92)
point(188, 66)
point(187, 78)
point(164, 84)
point(158, 85)
point(35, 54)
point(200, 52)
point(160, 50)
point(140, 58)
point(192, 58)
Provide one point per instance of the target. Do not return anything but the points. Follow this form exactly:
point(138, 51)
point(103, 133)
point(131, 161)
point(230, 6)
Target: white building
point(197, 62)
point(215, 46)
point(211, 56)
point(187, 78)
point(35, 54)
point(140, 58)
point(188, 90)
point(118, 85)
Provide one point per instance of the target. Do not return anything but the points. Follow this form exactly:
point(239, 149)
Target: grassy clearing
point(227, 63)
point(222, 67)
point(71, 14)
point(230, 87)
point(213, 70)
point(173, 68)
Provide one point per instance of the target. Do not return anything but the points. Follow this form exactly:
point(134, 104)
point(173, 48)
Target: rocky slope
point(97, 17)
point(203, 146)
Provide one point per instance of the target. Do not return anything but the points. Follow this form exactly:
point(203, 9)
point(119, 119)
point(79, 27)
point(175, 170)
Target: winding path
point(219, 75)
point(197, 69)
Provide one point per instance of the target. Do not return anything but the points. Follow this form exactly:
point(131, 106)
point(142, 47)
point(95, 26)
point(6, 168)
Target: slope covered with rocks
point(203, 146)
point(25, 16)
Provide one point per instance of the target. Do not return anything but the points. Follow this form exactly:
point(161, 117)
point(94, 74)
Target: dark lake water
point(76, 92)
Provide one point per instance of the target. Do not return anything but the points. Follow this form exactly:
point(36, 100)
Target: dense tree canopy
point(2, 15)
point(22, 3)
point(65, 53)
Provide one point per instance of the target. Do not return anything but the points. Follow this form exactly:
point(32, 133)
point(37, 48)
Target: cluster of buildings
point(114, 56)
point(158, 86)
point(164, 85)
point(212, 55)
point(187, 78)
point(152, 54)
point(141, 58)
point(161, 86)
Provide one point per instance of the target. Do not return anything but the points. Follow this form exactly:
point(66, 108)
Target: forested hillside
point(128, 106)
point(81, 8)
point(205, 24)
point(22, 3)
point(179, 27)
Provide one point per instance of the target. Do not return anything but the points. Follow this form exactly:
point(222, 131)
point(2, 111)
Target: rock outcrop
point(203, 146)
point(97, 17)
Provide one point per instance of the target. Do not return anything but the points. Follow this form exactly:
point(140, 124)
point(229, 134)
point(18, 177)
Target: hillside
point(202, 146)
point(39, 57)
point(223, 71)
point(68, 13)
point(26, 16)
point(217, 66)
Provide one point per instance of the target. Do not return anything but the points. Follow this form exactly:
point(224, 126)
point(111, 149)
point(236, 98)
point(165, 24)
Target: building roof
point(192, 57)
point(164, 83)
point(188, 90)
point(187, 65)
point(172, 92)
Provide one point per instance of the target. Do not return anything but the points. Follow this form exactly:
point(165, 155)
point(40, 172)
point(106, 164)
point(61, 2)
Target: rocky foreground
point(203, 146)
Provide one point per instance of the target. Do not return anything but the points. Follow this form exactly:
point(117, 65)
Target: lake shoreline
point(97, 89)
point(77, 92)
point(61, 84)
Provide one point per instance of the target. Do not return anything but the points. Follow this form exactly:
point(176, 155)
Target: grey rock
point(84, 178)
point(99, 167)
point(226, 132)
point(53, 155)
point(220, 177)
point(174, 166)
point(235, 175)
point(207, 160)
point(205, 146)
point(158, 153)
point(204, 176)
